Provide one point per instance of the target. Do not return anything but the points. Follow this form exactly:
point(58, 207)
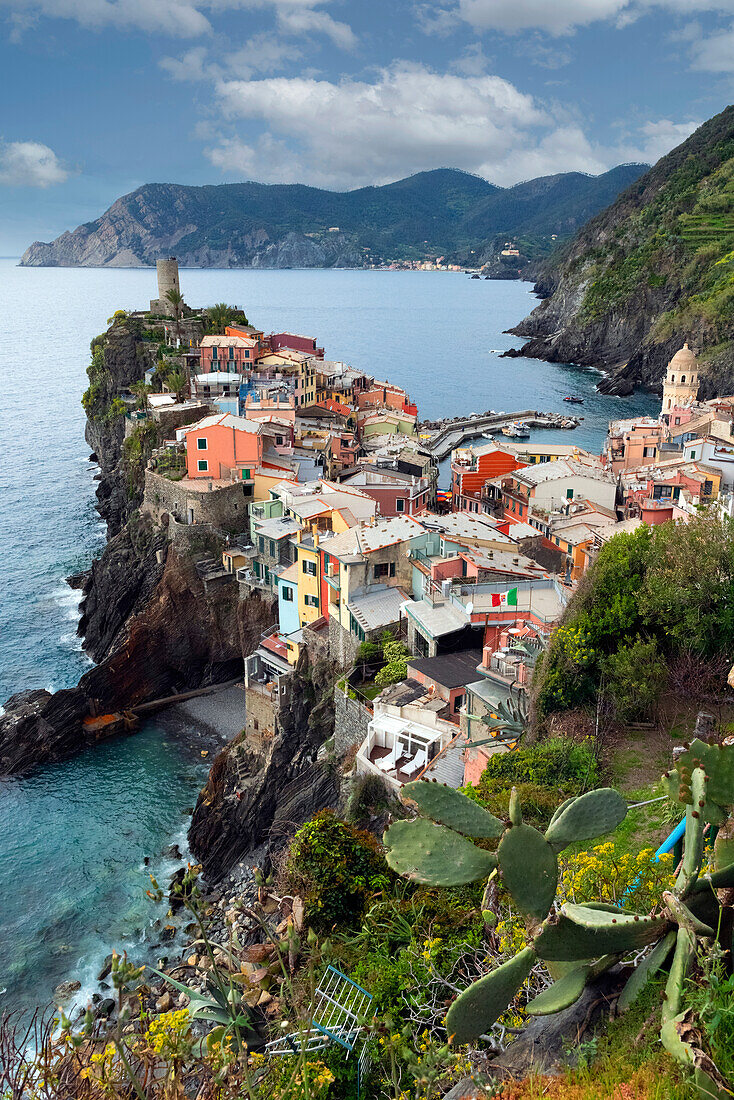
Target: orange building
point(470, 469)
point(224, 447)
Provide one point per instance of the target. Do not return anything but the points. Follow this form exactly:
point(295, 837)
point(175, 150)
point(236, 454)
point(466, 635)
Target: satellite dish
point(469, 608)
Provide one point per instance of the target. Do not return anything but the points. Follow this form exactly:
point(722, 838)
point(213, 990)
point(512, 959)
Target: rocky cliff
point(654, 269)
point(177, 637)
point(276, 226)
point(251, 798)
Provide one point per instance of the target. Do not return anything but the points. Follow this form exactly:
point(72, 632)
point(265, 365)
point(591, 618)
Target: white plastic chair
point(387, 763)
point(419, 761)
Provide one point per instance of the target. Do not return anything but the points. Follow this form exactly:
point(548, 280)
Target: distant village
point(324, 485)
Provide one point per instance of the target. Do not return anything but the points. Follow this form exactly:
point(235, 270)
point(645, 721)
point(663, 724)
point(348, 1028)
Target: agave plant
point(509, 717)
point(581, 941)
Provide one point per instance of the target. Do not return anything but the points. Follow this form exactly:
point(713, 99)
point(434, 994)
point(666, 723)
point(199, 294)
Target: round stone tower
point(681, 380)
point(167, 272)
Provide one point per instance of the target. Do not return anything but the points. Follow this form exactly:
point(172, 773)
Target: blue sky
point(101, 96)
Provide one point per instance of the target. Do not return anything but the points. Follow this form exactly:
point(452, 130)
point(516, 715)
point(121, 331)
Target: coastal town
point(323, 482)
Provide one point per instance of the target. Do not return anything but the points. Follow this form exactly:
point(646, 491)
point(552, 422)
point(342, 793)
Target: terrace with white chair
point(402, 742)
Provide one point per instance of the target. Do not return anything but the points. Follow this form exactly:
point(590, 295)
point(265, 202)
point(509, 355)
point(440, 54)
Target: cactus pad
point(479, 1006)
point(646, 969)
point(591, 815)
point(529, 869)
point(597, 933)
point(563, 806)
point(718, 763)
point(435, 855)
point(449, 807)
point(566, 991)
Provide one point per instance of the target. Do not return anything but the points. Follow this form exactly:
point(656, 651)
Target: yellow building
point(309, 577)
point(681, 380)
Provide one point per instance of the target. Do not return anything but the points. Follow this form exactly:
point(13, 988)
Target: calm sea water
point(74, 835)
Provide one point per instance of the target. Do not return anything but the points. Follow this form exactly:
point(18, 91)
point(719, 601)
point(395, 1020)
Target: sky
point(102, 96)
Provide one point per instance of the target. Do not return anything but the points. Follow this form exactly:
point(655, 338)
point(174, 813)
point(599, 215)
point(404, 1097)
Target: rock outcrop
point(181, 638)
point(251, 798)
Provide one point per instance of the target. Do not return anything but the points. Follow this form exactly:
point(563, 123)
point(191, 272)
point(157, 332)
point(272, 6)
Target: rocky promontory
point(649, 273)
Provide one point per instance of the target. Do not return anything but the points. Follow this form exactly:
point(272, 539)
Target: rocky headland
point(651, 271)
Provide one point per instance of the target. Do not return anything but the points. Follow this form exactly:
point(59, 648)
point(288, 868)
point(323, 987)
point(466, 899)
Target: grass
point(623, 1062)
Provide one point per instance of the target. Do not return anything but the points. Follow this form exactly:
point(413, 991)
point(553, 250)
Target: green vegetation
point(136, 450)
point(655, 609)
point(335, 867)
point(544, 775)
point(439, 212)
point(395, 654)
point(589, 938)
point(220, 315)
point(674, 251)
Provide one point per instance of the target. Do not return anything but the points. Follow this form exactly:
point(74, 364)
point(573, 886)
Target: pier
point(452, 433)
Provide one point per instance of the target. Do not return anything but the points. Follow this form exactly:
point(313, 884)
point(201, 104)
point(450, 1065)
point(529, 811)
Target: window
point(400, 504)
point(201, 443)
point(287, 594)
point(214, 352)
point(231, 352)
point(677, 420)
point(458, 703)
point(247, 353)
point(384, 569)
point(311, 601)
point(648, 452)
point(272, 548)
point(202, 465)
point(261, 544)
point(693, 455)
point(310, 568)
point(569, 494)
point(256, 567)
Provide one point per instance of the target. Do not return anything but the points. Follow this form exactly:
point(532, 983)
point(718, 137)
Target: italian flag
point(505, 599)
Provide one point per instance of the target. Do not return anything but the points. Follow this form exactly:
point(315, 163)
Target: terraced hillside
point(652, 270)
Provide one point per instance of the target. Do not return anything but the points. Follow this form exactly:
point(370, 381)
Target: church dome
point(683, 359)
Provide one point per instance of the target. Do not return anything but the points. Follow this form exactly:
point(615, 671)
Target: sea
point(79, 838)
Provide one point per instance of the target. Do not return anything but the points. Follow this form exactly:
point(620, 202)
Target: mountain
point(656, 268)
point(278, 225)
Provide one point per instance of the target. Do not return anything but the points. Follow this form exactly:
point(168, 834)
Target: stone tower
point(167, 272)
point(681, 380)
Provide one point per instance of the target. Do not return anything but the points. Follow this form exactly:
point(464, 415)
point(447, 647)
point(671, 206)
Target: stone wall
point(343, 646)
point(351, 720)
point(227, 507)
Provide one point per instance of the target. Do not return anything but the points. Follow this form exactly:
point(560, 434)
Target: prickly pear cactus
point(589, 938)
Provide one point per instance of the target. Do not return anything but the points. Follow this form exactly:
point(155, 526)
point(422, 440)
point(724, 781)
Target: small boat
point(574, 400)
point(516, 430)
point(475, 276)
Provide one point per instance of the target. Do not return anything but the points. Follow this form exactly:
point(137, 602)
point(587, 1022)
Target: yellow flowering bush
point(169, 1035)
point(605, 873)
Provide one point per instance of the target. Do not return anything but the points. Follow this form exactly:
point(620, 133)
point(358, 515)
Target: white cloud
point(176, 18)
point(190, 66)
point(556, 17)
point(715, 53)
point(30, 164)
point(409, 119)
point(179, 18)
point(299, 21)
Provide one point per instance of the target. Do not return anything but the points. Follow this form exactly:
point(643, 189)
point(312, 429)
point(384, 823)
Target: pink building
point(633, 443)
point(307, 344)
point(233, 354)
point(386, 395)
point(223, 447)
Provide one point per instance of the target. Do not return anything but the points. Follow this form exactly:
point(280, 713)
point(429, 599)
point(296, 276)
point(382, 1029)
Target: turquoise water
point(74, 835)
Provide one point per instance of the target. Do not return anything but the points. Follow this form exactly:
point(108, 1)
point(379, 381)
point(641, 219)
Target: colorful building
point(223, 447)
point(232, 354)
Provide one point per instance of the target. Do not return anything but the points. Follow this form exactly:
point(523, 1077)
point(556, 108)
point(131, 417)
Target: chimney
point(316, 537)
point(486, 656)
point(299, 534)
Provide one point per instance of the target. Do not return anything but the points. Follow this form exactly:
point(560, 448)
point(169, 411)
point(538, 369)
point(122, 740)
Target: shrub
point(607, 873)
point(636, 675)
point(335, 867)
point(395, 654)
point(558, 764)
point(369, 652)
